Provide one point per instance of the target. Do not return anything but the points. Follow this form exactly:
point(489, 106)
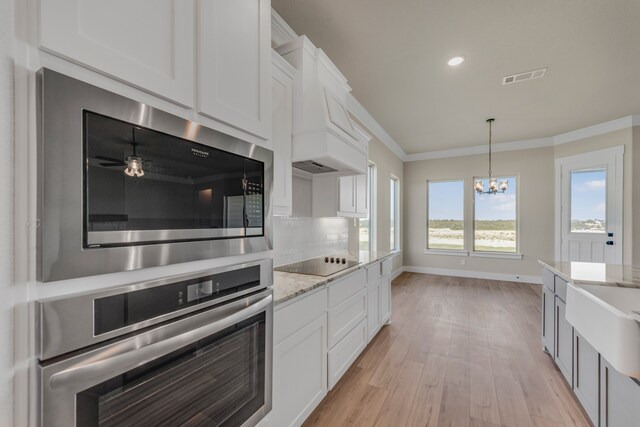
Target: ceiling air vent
point(529, 75)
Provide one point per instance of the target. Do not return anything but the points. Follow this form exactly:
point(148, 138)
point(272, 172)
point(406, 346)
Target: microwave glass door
point(217, 381)
point(143, 186)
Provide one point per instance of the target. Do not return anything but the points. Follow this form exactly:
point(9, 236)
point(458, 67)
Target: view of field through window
point(589, 201)
point(495, 227)
point(445, 215)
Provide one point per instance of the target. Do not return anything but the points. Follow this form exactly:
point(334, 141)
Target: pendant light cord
point(490, 121)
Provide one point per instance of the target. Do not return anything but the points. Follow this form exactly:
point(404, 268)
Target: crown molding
point(281, 32)
point(363, 116)
point(563, 138)
point(481, 149)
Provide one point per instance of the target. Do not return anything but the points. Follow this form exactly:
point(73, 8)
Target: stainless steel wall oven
point(193, 350)
point(124, 186)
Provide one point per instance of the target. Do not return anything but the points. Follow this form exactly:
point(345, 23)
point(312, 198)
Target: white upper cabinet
point(339, 196)
point(281, 114)
point(234, 63)
point(149, 44)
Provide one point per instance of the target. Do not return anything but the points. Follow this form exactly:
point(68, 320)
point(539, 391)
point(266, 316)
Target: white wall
point(535, 169)
point(6, 212)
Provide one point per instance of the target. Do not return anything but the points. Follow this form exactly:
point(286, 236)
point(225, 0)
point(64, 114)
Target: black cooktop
point(321, 266)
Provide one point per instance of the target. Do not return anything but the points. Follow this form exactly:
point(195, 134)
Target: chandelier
point(494, 187)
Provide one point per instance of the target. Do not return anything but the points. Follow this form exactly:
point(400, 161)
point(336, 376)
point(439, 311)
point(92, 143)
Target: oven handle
point(123, 362)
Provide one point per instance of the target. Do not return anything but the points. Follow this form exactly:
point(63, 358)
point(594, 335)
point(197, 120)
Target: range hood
point(324, 137)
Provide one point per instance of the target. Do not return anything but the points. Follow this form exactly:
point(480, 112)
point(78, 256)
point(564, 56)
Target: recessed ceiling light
point(455, 61)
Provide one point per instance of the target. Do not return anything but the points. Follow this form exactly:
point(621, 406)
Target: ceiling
point(394, 54)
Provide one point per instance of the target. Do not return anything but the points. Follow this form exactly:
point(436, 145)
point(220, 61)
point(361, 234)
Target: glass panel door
point(589, 201)
point(217, 381)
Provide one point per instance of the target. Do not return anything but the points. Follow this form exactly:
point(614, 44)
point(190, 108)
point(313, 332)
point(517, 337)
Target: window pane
point(495, 226)
point(367, 224)
point(446, 215)
point(393, 219)
point(589, 201)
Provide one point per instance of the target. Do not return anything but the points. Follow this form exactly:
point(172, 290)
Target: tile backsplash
point(297, 239)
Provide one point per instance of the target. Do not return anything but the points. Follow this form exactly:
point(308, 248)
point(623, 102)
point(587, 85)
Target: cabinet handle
point(606, 396)
point(577, 364)
point(557, 330)
point(544, 317)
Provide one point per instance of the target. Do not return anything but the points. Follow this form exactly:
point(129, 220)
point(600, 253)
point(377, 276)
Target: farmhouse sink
point(608, 317)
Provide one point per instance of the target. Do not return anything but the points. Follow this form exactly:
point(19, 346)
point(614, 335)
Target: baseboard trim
point(396, 273)
point(473, 274)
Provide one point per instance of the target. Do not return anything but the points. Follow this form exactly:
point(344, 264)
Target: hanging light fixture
point(494, 187)
point(134, 163)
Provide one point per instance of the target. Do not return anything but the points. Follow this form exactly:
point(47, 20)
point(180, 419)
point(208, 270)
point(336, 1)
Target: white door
point(281, 116)
point(589, 200)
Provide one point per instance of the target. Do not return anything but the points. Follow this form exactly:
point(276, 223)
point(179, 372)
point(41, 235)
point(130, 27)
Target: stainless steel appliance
point(124, 186)
point(321, 266)
point(190, 350)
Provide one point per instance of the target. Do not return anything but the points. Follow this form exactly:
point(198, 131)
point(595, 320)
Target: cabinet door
point(347, 194)
point(146, 43)
point(362, 195)
point(281, 86)
point(234, 63)
point(619, 398)
point(300, 374)
point(586, 377)
point(373, 310)
point(548, 320)
point(385, 299)
point(564, 342)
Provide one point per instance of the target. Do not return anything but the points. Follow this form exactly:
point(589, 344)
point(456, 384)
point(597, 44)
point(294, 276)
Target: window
point(445, 215)
point(368, 224)
point(589, 201)
point(394, 215)
point(495, 220)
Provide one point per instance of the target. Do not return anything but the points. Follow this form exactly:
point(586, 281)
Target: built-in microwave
point(124, 186)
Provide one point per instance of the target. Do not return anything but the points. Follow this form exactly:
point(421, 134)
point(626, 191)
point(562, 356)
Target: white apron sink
point(608, 317)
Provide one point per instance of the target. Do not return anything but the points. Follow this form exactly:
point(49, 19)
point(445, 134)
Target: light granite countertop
point(290, 285)
point(595, 273)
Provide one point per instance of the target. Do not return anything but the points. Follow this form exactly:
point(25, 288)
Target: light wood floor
point(459, 352)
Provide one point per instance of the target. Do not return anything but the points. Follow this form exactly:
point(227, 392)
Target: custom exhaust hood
point(325, 138)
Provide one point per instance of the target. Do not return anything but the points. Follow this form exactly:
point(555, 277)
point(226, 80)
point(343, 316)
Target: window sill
point(446, 252)
point(503, 255)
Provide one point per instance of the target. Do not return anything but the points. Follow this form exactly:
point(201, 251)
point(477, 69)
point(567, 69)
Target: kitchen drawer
point(344, 317)
point(297, 314)
point(548, 279)
point(373, 273)
point(561, 288)
point(343, 288)
point(346, 352)
point(387, 264)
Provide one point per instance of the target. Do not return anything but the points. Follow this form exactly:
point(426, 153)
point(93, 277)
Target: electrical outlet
point(463, 261)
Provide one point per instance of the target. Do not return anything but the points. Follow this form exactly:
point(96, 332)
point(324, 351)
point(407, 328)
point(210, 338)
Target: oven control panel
point(117, 311)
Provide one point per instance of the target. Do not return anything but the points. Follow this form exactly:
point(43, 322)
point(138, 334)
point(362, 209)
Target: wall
point(607, 140)
point(387, 164)
point(636, 194)
point(297, 239)
point(6, 211)
point(535, 170)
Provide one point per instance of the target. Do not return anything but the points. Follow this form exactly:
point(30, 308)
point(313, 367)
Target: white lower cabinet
point(345, 316)
point(343, 354)
point(619, 398)
point(317, 337)
point(609, 398)
point(373, 310)
point(564, 342)
point(585, 376)
point(385, 299)
point(299, 374)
